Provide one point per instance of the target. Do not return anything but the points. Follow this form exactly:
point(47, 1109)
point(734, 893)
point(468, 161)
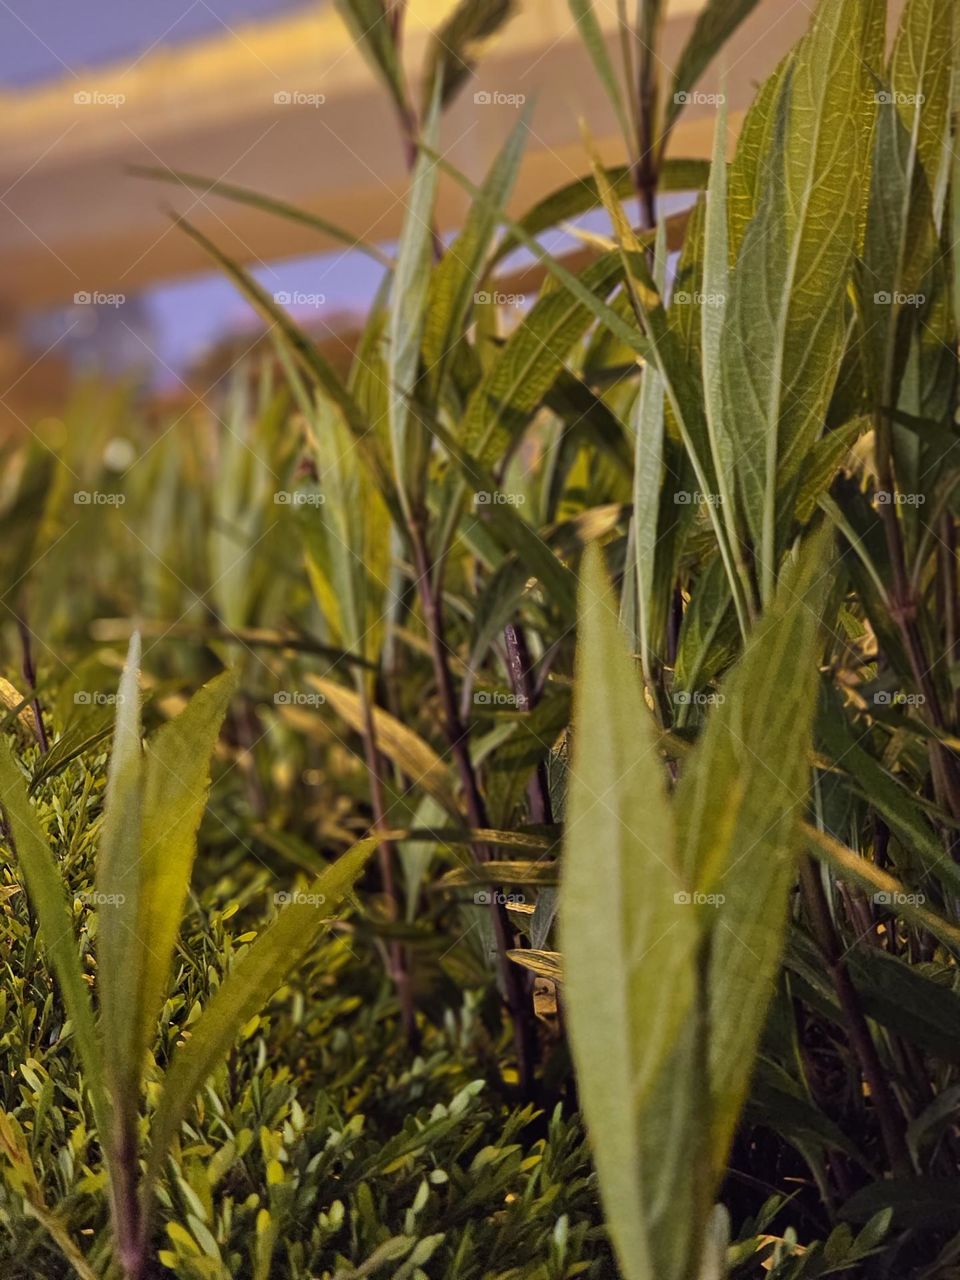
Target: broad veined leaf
point(247, 988)
point(786, 327)
point(901, 241)
point(745, 180)
point(679, 388)
point(739, 805)
point(629, 945)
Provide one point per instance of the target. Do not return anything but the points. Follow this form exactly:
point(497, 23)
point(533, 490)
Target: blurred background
point(96, 281)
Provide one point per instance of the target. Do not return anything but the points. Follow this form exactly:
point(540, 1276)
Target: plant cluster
point(614, 641)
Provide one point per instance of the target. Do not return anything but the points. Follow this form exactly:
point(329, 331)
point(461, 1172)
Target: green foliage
point(747, 456)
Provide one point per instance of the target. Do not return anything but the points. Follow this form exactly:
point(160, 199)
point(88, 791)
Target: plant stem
point(30, 675)
point(398, 955)
point(514, 985)
point(518, 666)
point(889, 1115)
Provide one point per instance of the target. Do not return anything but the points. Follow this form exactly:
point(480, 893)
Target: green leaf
point(739, 804)
point(247, 988)
point(176, 780)
point(583, 14)
point(256, 200)
point(369, 23)
point(405, 322)
point(119, 943)
point(414, 757)
point(456, 46)
point(629, 952)
point(787, 324)
point(41, 875)
point(716, 23)
point(305, 354)
point(460, 273)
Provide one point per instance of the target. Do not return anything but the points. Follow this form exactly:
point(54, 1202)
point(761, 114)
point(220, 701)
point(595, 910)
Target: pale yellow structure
point(72, 219)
